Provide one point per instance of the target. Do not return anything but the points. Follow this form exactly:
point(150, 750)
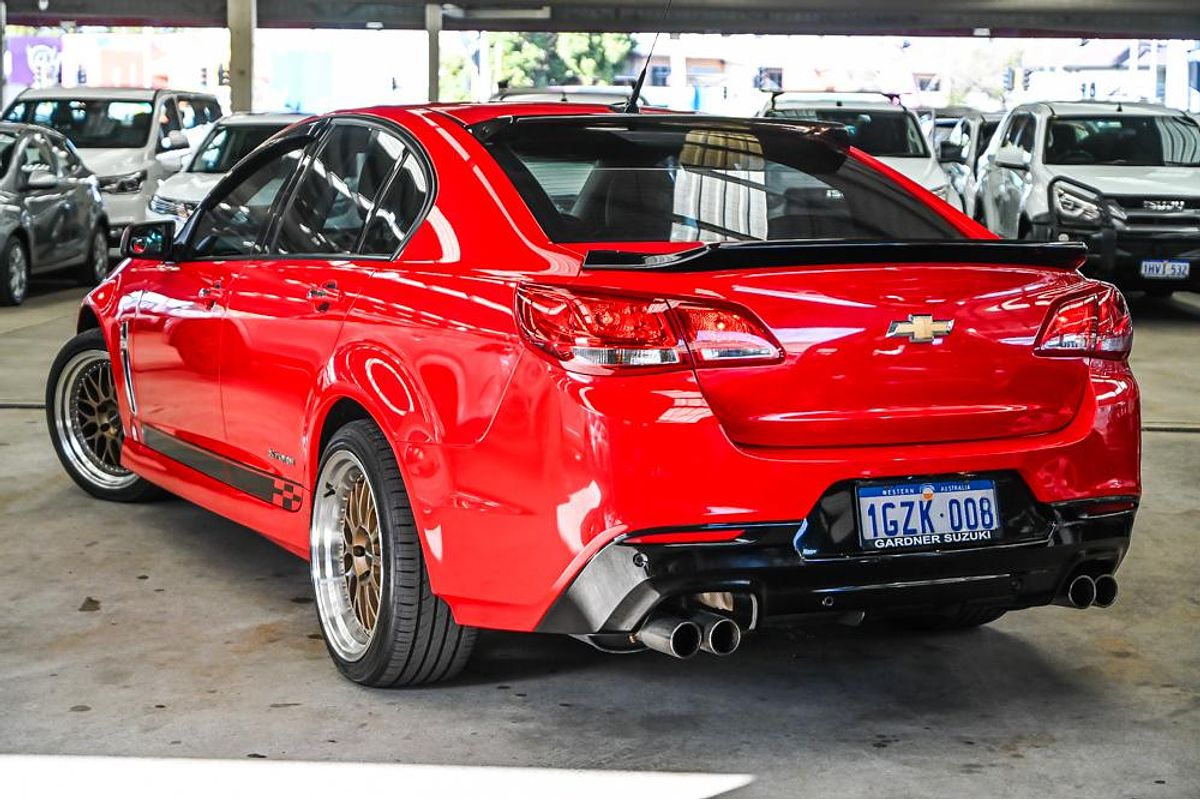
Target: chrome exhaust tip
point(674, 636)
point(1080, 593)
point(1106, 591)
point(719, 634)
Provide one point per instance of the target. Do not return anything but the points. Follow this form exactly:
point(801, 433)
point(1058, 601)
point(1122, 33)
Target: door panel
point(174, 342)
point(284, 320)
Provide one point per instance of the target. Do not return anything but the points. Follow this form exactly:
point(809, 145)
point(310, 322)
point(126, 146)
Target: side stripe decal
point(276, 491)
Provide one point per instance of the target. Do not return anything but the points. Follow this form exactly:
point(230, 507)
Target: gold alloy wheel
point(348, 555)
point(361, 553)
point(88, 420)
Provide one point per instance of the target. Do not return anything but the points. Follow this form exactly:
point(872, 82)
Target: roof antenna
point(632, 106)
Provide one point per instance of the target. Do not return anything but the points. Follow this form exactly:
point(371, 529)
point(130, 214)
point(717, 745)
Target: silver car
point(1124, 178)
point(51, 214)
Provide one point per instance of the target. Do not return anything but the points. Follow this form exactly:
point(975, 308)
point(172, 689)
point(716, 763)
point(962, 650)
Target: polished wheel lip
point(87, 420)
point(348, 556)
point(99, 255)
point(18, 273)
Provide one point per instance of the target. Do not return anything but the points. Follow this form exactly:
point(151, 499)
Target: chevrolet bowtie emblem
point(921, 328)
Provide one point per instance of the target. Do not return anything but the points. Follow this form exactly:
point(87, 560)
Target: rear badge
point(920, 328)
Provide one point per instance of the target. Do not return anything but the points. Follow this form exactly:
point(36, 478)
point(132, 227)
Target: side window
point(234, 224)
point(397, 210)
point(330, 205)
point(212, 109)
point(960, 136)
point(1020, 132)
point(1025, 142)
point(64, 152)
point(17, 112)
point(36, 157)
point(168, 118)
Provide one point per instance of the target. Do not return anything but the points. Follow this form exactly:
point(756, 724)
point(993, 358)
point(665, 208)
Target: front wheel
point(381, 622)
point(85, 421)
point(14, 273)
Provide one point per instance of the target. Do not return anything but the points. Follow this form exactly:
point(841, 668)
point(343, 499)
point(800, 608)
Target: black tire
point(953, 618)
point(14, 272)
point(94, 467)
point(95, 266)
point(415, 639)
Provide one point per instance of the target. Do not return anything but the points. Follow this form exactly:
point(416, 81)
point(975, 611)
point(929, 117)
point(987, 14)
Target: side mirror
point(175, 140)
point(1012, 158)
point(150, 240)
point(41, 179)
point(949, 153)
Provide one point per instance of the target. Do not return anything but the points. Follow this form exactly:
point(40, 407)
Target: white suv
point(131, 138)
point(878, 126)
point(1124, 178)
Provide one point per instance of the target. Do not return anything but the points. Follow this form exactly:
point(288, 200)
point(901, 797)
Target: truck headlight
point(1076, 203)
point(130, 183)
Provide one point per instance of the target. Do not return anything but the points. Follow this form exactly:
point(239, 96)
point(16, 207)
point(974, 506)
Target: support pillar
point(433, 29)
point(242, 19)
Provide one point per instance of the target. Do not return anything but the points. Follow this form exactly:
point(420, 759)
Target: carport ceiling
point(1085, 18)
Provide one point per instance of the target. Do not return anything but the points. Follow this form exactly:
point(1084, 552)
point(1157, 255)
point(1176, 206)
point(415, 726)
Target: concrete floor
point(162, 630)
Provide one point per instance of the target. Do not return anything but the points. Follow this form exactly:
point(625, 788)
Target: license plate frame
point(940, 493)
point(1166, 269)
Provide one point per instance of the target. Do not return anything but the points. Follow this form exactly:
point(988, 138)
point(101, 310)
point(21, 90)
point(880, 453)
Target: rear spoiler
point(719, 256)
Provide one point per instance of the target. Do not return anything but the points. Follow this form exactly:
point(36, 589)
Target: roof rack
point(838, 97)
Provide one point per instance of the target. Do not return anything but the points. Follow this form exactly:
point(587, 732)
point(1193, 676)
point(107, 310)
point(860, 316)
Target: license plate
point(902, 516)
point(1168, 270)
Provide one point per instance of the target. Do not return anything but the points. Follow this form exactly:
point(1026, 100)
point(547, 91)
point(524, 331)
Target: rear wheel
point(953, 618)
point(95, 267)
point(381, 622)
point(85, 421)
point(14, 280)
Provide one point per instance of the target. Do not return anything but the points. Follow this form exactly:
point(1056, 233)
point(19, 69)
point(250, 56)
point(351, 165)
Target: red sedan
point(646, 379)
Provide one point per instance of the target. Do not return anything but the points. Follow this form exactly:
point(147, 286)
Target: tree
point(546, 59)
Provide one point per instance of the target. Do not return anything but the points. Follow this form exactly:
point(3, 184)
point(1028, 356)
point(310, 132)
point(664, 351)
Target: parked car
point(878, 125)
point(1124, 178)
point(131, 138)
point(961, 151)
point(51, 215)
point(475, 364)
point(227, 143)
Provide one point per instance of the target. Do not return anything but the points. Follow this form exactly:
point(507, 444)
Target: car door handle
point(212, 293)
point(324, 294)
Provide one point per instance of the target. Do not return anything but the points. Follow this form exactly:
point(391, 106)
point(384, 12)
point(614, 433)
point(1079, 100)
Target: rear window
point(661, 179)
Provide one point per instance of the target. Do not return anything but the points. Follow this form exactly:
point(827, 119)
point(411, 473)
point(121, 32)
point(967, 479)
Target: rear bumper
point(779, 568)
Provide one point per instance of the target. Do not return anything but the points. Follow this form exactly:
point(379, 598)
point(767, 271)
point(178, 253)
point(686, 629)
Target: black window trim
point(412, 148)
point(183, 250)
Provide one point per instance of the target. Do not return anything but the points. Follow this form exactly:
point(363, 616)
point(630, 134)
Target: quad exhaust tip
point(720, 635)
point(1106, 591)
point(684, 636)
point(674, 636)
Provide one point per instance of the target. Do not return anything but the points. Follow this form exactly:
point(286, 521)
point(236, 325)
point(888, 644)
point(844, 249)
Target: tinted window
point(986, 132)
point(92, 123)
point(398, 210)
point(211, 108)
point(880, 133)
point(339, 188)
point(235, 223)
point(229, 144)
point(168, 118)
point(673, 180)
point(1122, 140)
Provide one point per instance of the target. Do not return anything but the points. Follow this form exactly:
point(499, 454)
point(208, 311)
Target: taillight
point(1097, 325)
point(599, 333)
